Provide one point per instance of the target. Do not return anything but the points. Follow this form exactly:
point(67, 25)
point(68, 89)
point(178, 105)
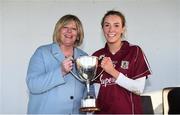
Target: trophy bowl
point(86, 68)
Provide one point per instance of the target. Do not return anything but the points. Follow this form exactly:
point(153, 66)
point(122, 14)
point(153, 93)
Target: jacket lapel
point(57, 53)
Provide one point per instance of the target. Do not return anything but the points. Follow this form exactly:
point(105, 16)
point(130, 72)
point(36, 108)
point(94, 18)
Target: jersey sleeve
point(141, 67)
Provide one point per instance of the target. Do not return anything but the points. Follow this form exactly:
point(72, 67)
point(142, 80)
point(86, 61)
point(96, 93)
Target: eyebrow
point(113, 23)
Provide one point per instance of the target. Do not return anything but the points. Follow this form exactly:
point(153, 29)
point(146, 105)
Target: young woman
point(124, 69)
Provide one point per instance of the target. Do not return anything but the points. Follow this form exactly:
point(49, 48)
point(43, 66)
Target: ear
point(123, 29)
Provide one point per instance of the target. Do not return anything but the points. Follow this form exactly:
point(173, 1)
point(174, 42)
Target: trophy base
point(88, 105)
point(89, 109)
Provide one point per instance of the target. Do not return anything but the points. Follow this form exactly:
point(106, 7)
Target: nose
point(111, 28)
point(69, 30)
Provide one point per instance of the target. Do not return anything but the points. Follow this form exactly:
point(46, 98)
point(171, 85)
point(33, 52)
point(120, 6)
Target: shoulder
point(44, 48)
point(99, 52)
point(132, 47)
point(136, 51)
point(80, 51)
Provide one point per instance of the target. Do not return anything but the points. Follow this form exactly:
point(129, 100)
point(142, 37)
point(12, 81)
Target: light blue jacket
point(49, 91)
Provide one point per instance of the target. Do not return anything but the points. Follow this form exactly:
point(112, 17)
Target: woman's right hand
point(67, 66)
point(109, 67)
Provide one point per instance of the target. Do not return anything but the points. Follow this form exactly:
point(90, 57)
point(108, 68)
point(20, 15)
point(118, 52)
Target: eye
point(65, 28)
point(106, 25)
point(116, 25)
point(74, 29)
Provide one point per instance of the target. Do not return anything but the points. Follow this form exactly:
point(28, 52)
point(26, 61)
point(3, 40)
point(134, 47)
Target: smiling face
point(113, 28)
point(68, 34)
point(68, 31)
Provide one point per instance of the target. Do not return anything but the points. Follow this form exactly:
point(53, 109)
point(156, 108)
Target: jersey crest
point(124, 64)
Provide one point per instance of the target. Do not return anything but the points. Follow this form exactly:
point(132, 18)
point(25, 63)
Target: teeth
point(68, 36)
point(111, 35)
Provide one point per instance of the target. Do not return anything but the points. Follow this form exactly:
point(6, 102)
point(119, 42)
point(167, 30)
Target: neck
point(67, 50)
point(115, 47)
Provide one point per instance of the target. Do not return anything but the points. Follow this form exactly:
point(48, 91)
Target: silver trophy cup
point(86, 67)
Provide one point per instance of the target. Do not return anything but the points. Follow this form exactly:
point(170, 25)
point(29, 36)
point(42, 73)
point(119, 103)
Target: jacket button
point(71, 97)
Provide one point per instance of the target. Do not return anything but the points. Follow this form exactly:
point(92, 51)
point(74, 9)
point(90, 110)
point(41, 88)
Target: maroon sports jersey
point(112, 98)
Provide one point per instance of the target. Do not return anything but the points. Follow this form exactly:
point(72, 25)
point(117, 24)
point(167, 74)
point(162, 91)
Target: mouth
point(111, 35)
point(68, 36)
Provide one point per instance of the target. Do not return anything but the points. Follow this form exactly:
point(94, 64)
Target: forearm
point(136, 86)
point(39, 83)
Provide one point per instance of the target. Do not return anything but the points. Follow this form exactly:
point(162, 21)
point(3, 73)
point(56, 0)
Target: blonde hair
point(65, 20)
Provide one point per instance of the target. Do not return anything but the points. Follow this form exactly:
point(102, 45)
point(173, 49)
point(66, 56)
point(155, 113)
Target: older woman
point(52, 88)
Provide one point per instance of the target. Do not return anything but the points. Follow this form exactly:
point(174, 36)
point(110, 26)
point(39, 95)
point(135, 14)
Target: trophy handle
point(99, 59)
point(73, 60)
point(98, 75)
point(76, 76)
